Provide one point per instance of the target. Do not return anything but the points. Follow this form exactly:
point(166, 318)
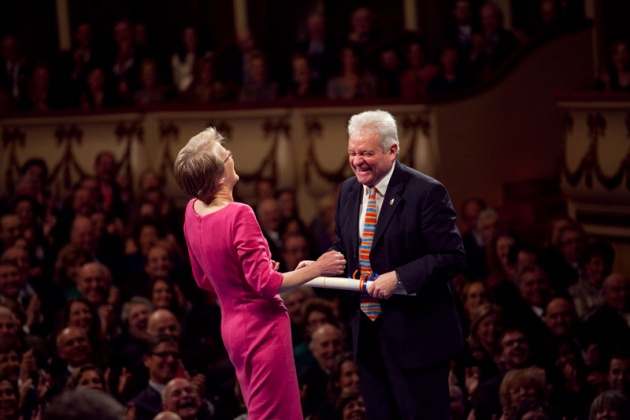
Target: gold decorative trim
point(272, 129)
point(169, 133)
point(12, 137)
point(412, 125)
point(589, 167)
point(314, 131)
point(127, 133)
point(66, 136)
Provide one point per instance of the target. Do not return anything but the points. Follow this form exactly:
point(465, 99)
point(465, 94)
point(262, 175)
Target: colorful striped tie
point(369, 305)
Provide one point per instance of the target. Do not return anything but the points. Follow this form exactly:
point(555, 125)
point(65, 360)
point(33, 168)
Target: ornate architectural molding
point(12, 137)
point(67, 136)
point(313, 132)
point(590, 168)
point(411, 125)
point(126, 133)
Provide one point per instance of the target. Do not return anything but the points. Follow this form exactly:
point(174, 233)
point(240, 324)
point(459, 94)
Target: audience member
point(615, 76)
point(183, 61)
point(353, 81)
point(586, 293)
point(161, 358)
point(610, 405)
point(418, 72)
point(326, 344)
point(608, 326)
point(451, 77)
point(180, 396)
point(318, 48)
point(80, 404)
point(259, 87)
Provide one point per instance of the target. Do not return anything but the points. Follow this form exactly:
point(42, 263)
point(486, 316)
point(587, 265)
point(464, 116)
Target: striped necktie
point(369, 305)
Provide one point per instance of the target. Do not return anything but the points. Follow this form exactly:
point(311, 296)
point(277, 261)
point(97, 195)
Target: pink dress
point(230, 257)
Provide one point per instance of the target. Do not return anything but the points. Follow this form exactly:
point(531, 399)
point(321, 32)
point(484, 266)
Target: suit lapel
point(353, 208)
point(391, 201)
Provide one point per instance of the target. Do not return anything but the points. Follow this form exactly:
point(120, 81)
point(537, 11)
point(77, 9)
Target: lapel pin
point(391, 202)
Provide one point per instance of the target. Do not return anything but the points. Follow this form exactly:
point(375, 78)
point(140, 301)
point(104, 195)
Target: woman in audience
point(205, 88)
point(164, 295)
point(315, 313)
point(418, 73)
point(79, 313)
point(482, 358)
point(353, 82)
point(473, 296)
point(349, 406)
point(185, 59)
point(87, 376)
point(611, 405)
point(69, 260)
point(96, 93)
point(519, 384)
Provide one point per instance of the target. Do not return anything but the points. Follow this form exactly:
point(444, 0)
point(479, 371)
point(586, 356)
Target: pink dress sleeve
point(200, 276)
point(253, 253)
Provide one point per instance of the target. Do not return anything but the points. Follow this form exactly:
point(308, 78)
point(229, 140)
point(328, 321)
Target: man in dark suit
point(403, 355)
point(162, 361)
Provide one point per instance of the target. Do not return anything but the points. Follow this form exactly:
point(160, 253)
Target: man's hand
point(384, 286)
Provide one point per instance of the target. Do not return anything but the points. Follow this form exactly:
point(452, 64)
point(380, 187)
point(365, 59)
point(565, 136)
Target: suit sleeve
point(443, 257)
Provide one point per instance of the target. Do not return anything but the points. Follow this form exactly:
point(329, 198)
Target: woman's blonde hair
point(199, 167)
point(531, 377)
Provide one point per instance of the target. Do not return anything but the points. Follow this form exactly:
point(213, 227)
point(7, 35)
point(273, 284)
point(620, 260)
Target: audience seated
point(615, 75)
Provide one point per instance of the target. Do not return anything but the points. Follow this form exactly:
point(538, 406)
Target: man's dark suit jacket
point(148, 404)
point(416, 236)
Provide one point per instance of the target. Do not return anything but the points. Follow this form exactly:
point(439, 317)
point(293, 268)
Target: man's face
point(368, 161)
point(93, 284)
point(82, 234)
point(619, 375)
point(8, 331)
point(181, 397)
point(515, 349)
point(159, 263)
point(327, 344)
point(534, 288)
point(615, 291)
point(269, 215)
point(164, 324)
point(74, 346)
point(294, 303)
point(163, 362)
point(10, 281)
point(572, 244)
point(559, 317)
point(9, 229)
point(106, 168)
point(10, 365)
point(138, 320)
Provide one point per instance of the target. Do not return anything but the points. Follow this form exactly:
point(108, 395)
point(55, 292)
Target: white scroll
point(342, 283)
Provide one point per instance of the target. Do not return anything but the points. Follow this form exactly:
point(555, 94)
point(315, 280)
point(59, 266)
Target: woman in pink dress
point(230, 257)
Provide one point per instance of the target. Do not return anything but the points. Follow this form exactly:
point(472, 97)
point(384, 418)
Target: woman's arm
point(329, 264)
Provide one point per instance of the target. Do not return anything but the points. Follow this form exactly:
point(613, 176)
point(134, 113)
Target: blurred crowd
point(96, 292)
point(369, 62)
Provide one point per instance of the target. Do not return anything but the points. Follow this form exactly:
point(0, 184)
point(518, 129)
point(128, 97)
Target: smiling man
point(396, 222)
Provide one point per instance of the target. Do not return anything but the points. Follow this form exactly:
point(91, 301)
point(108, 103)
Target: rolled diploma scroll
point(343, 283)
